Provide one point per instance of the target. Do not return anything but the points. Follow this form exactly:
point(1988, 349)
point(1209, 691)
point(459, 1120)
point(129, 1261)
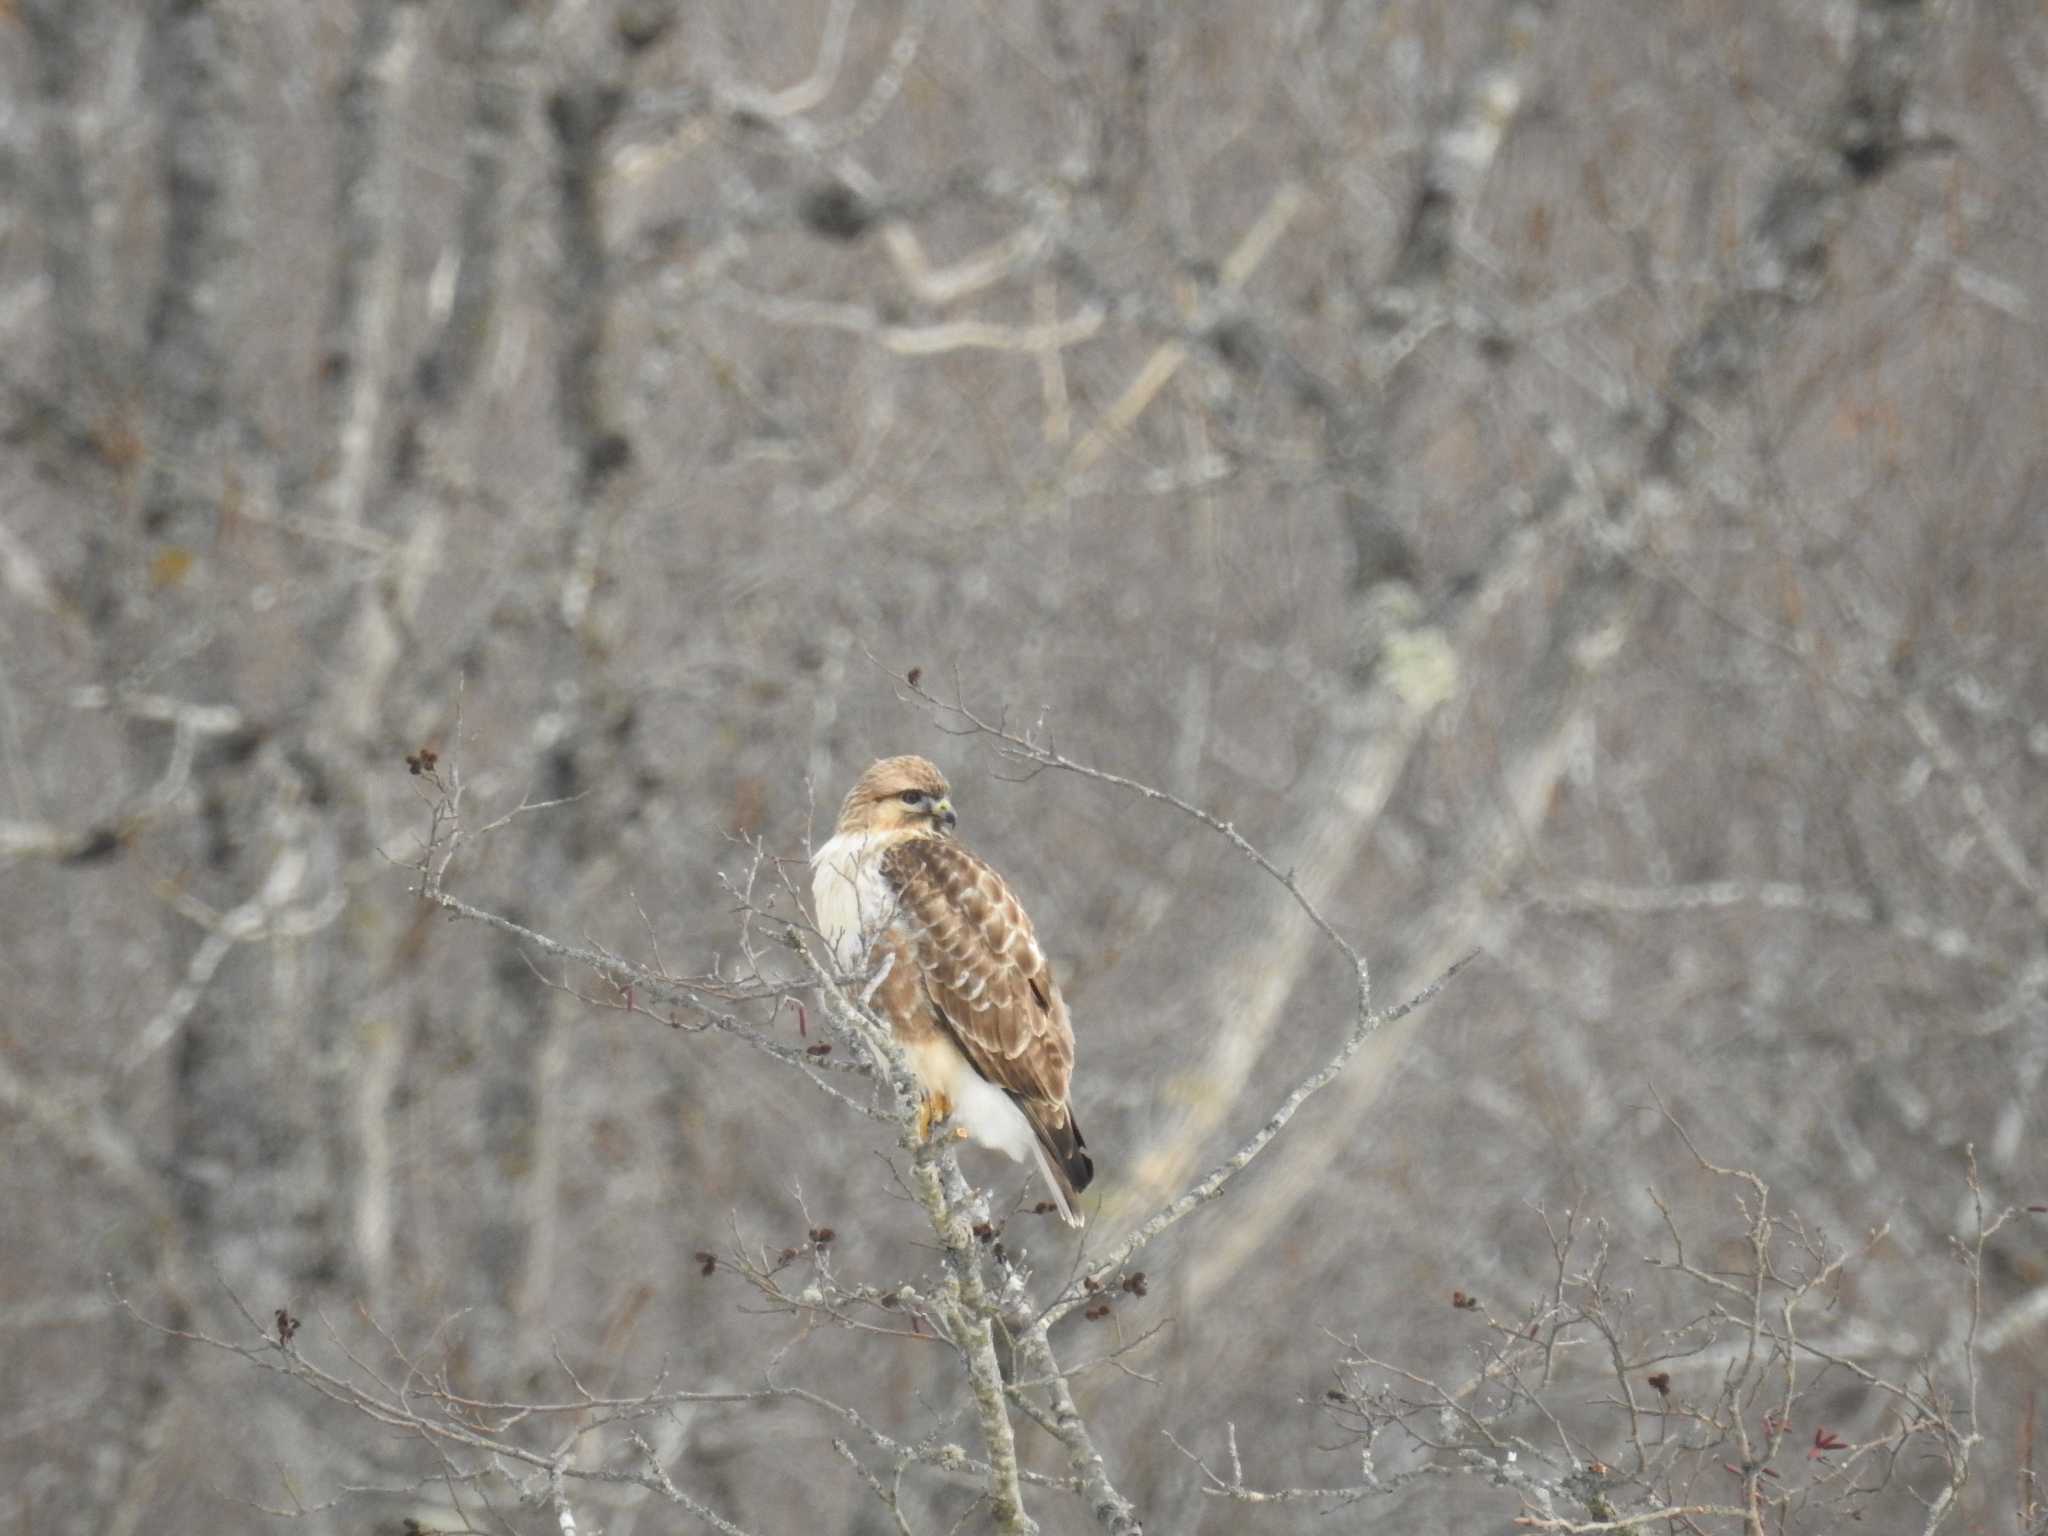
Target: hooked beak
point(942, 813)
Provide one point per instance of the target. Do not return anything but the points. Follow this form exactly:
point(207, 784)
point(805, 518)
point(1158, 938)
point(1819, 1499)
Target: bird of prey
point(949, 961)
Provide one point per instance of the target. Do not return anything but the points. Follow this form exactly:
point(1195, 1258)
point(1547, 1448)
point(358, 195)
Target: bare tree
point(1563, 480)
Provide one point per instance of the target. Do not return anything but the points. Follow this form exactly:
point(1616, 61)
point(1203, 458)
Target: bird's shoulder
point(940, 870)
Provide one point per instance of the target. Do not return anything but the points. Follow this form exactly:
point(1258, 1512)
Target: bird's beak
point(942, 813)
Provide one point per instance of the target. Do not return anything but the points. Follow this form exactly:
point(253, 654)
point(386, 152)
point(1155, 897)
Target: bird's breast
point(852, 901)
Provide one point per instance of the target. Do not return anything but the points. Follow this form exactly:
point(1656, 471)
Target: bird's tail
point(1063, 1159)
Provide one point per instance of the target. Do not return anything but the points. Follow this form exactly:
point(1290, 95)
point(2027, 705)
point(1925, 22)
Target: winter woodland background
point(1567, 480)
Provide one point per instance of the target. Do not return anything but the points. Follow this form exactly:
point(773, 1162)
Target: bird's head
point(899, 794)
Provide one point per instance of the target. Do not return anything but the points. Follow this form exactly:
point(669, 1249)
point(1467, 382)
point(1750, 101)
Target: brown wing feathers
point(992, 986)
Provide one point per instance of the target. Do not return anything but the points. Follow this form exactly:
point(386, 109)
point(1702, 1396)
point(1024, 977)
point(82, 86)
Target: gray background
point(1587, 506)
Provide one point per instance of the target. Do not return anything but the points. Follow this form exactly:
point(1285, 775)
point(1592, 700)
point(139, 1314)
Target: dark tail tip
point(1075, 1162)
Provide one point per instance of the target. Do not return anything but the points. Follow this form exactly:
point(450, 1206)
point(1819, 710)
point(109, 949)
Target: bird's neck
point(866, 842)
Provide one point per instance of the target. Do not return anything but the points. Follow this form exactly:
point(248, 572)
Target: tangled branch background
point(1341, 488)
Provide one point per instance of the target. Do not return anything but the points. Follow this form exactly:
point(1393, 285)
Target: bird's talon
point(934, 1110)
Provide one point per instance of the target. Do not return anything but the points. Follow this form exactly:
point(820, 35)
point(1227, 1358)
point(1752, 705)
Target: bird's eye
point(911, 796)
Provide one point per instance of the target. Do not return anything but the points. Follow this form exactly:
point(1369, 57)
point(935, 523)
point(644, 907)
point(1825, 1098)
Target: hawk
point(950, 961)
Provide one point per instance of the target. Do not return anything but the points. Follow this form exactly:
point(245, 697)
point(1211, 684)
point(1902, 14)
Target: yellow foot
point(935, 1108)
point(959, 1133)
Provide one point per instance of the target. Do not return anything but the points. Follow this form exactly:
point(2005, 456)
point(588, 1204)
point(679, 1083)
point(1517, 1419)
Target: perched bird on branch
point(949, 961)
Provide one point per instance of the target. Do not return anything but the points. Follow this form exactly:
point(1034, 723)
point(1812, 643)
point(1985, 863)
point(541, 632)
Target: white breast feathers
point(852, 900)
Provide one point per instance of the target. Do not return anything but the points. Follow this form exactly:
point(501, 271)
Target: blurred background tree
point(1566, 480)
